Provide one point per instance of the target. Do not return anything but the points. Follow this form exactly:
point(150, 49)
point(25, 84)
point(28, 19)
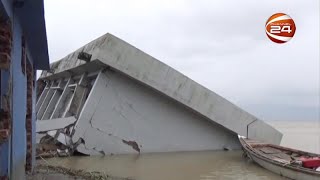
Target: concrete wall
point(129, 60)
point(121, 111)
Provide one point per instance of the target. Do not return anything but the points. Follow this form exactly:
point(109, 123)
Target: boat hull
point(283, 169)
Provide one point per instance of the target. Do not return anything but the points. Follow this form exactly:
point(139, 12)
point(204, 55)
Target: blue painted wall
point(4, 158)
point(19, 87)
point(13, 161)
point(26, 20)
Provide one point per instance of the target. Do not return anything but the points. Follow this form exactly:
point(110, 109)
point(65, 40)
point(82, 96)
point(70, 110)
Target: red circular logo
point(280, 28)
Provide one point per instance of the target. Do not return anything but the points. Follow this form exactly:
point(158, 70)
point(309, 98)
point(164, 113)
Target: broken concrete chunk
point(59, 136)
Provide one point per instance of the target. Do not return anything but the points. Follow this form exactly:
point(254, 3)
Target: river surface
point(204, 165)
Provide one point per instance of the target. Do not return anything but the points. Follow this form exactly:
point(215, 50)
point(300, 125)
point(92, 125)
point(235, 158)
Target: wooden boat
point(287, 162)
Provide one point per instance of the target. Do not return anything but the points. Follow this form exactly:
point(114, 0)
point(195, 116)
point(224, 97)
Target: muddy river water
point(205, 165)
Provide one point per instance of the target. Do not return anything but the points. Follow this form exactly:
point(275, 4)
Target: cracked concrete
point(131, 118)
point(139, 104)
point(133, 144)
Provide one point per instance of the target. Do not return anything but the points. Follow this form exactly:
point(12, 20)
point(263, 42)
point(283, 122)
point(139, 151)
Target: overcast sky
point(220, 44)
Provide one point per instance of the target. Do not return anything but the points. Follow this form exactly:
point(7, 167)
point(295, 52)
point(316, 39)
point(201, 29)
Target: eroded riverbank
point(203, 165)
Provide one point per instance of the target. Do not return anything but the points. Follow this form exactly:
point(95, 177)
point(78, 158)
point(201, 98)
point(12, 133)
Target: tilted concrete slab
point(54, 124)
point(122, 116)
point(120, 63)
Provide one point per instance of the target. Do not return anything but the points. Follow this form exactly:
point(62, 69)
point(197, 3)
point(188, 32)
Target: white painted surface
point(136, 64)
point(120, 108)
point(53, 124)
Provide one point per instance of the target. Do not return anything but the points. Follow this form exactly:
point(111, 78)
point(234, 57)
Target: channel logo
point(280, 28)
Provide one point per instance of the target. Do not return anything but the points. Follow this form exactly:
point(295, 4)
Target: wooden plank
point(269, 150)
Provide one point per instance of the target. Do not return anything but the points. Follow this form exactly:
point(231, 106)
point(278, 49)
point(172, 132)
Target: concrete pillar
point(87, 112)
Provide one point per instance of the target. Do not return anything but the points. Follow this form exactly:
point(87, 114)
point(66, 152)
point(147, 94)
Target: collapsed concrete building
point(115, 99)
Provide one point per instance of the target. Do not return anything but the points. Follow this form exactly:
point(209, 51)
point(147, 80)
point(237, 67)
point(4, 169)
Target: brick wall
point(5, 60)
point(30, 87)
point(5, 44)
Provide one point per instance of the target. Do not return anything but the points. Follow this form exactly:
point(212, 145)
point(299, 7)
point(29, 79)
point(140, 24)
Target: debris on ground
point(50, 147)
point(49, 172)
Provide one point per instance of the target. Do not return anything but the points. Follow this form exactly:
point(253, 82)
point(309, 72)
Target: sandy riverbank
point(49, 172)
